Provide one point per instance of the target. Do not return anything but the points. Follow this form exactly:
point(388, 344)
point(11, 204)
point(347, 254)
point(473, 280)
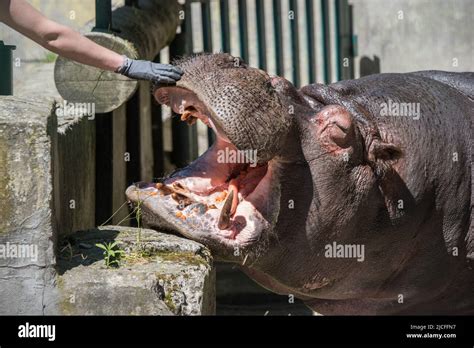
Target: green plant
point(138, 216)
point(137, 210)
point(112, 254)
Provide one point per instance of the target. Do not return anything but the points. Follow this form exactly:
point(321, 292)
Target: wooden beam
point(140, 32)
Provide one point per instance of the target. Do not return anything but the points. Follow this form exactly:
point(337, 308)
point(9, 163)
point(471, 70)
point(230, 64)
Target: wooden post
point(146, 141)
point(119, 165)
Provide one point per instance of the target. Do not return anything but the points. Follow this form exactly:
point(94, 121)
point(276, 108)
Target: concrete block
point(75, 154)
point(161, 274)
point(27, 236)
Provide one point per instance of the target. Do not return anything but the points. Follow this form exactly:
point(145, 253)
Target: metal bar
point(295, 49)
point(225, 26)
point(326, 41)
point(278, 37)
point(337, 40)
point(206, 26)
point(185, 145)
point(131, 3)
point(310, 41)
point(103, 15)
point(344, 43)
point(243, 30)
point(207, 43)
point(351, 51)
point(104, 167)
point(355, 49)
point(262, 51)
point(6, 69)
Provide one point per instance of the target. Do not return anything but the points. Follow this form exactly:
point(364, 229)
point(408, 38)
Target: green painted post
point(326, 40)
point(185, 146)
point(310, 41)
point(344, 40)
point(277, 28)
point(206, 26)
point(295, 45)
point(131, 3)
point(243, 31)
point(103, 15)
point(6, 69)
point(337, 40)
point(225, 26)
point(262, 51)
point(207, 43)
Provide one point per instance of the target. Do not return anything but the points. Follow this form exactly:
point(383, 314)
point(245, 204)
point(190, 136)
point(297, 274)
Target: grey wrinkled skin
point(409, 251)
point(230, 89)
point(399, 186)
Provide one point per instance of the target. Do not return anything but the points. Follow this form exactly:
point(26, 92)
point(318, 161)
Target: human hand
point(154, 72)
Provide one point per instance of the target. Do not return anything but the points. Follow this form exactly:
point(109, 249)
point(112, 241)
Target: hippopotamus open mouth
point(347, 195)
point(226, 197)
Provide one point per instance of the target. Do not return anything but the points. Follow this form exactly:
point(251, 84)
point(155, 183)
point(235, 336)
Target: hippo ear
point(335, 128)
point(337, 132)
point(381, 150)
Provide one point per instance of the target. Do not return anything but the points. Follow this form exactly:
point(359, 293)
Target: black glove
point(154, 72)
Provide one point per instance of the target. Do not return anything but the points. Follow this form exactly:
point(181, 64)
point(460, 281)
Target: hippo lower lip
point(211, 200)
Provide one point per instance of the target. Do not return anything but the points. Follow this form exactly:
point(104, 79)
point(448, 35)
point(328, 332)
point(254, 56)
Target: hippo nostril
point(162, 96)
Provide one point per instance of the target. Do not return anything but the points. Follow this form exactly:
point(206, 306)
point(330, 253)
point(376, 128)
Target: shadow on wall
point(369, 66)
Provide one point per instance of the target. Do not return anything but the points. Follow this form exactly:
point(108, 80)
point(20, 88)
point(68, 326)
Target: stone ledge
point(160, 275)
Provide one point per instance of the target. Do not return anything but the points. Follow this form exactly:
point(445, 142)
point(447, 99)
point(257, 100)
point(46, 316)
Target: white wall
point(433, 34)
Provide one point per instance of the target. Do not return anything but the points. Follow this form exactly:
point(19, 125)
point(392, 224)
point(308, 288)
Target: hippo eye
point(269, 86)
point(238, 62)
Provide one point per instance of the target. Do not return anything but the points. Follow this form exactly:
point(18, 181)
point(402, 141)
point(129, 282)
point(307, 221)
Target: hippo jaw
point(231, 210)
point(227, 199)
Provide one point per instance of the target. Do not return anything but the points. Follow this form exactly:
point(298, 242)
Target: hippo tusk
point(224, 217)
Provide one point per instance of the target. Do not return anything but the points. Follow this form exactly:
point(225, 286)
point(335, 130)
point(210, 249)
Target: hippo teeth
point(233, 190)
point(224, 217)
point(188, 117)
point(220, 188)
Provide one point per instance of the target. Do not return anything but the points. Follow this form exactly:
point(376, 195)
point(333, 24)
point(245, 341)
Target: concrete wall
point(27, 233)
point(411, 35)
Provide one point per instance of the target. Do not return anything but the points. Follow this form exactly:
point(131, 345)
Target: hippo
point(354, 197)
